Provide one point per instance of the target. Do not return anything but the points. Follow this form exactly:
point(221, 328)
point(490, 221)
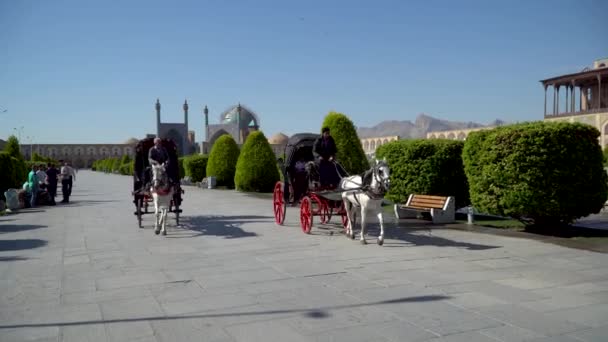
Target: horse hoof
point(164, 232)
point(380, 242)
point(156, 232)
point(363, 242)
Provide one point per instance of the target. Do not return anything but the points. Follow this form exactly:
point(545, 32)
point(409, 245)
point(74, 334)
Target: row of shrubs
point(542, 173)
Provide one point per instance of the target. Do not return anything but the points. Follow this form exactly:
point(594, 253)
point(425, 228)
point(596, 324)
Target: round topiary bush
point(256, 169)
point(350, 152)
point(426, 167)
point(196, 166)
point(542, 173)
point(222, 161)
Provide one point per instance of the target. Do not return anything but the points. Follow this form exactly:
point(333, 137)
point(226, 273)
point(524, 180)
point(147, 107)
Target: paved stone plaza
point(86, 272)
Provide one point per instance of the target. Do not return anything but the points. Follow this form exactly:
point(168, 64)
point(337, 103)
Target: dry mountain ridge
point(423, 124)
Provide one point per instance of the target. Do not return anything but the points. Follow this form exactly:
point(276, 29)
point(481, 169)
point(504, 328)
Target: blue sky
point(98, 66)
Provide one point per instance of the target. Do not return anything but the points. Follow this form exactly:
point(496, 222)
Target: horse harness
point(366, 182)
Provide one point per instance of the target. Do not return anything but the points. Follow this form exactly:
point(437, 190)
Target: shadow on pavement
point(226, 226)
point(318, 313)
point(12, 228)
point(11, 258)
point(15, 245)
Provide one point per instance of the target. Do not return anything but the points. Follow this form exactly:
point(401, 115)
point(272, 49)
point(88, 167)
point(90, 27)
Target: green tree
point(256, 168)
point(542, 173)
point(427, 167)
point(195, 167)
point(350, 152)
point(222, 161)
point(12, 147)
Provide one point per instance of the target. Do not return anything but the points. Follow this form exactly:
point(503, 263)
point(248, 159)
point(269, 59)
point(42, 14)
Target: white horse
point(162, 193)
point(367, 193)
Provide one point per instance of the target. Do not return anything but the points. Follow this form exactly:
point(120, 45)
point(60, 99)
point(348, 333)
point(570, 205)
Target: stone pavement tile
point(601, 297)
point(543, 324)
point(99, 296)
point(119, 330)
point(503, 262)
point(189, 329)
point(586, 287)
point(590, 315)
point(207, 303)
point(276, 330)
point(30, 334)
point(526, 283)
point(84, 333)
point(176, 291)
point(77, 284)
point(490, 288)
point(78, 259)
point(127, 320)
point(558, 298)
point(131, 280)
point(346, 282)
point(560, 338)
point(441, 317)
point(324, 319)
point(386, 331)
point(510, 333)
point(468, 336)
point(593, 274)
point(599, 334)
point(240, 277)
point(471, 300)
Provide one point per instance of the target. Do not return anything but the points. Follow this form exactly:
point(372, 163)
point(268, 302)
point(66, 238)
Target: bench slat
point(426, 202)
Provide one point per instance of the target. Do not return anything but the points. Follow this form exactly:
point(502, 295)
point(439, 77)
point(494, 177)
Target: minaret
point(238, 123)
point(186, 114)
point(157, 118)
point(186, 143)
point(206, 112)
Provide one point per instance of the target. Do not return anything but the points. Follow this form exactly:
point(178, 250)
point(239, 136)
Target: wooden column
point(566, 106)
point(545, 100)
point(554, 98)
point(572, 96)
point(599, 91)
point(557, 102)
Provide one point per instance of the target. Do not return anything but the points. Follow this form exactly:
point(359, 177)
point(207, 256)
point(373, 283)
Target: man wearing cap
point(325, 152)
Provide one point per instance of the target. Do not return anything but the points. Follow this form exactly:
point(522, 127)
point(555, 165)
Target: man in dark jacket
point(325, 151)
point(51, 179)
point(158, 154)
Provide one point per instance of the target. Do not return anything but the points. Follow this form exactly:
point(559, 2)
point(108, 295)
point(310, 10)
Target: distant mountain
point(424, 123)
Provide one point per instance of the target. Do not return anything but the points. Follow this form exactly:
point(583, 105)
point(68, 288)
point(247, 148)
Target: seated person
point(300, 182)
point(325, 151)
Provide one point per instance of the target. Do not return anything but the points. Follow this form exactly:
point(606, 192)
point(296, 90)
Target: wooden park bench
point(441, 208)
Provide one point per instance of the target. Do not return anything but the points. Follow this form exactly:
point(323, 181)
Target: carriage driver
point(325, 152)
point(158, 154)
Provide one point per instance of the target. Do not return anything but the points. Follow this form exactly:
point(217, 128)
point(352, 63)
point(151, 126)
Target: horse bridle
point(382, 187)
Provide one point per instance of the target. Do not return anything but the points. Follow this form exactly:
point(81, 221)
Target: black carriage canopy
point(141, 159)
point(299, 145)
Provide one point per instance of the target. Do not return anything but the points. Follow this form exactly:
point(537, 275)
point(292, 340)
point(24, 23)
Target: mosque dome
point(229, 116)
point(278, 139)
point(131, 141)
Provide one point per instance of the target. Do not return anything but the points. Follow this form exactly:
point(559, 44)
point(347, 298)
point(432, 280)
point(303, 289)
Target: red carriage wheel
point(306, 214)
point(278, 203)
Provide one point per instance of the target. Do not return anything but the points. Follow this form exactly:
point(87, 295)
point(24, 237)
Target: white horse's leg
point(348, 207)
point(363, 214)
point(164, 220)
point(381, 220)
point(157, 214)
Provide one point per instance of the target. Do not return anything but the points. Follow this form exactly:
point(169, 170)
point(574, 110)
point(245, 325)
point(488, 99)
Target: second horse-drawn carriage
point(143, 176)
point(302, 185)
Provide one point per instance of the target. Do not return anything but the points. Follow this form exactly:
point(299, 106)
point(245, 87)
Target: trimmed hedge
point(14, 172)
point(256, 168)
point(542, 173)
point(12, 147)
point(195, 167)
point(427, 167)
point(350, 152)
point(222, 161)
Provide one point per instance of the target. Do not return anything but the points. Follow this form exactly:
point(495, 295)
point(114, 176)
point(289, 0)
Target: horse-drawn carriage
point(143, 179)
point(302, 184)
